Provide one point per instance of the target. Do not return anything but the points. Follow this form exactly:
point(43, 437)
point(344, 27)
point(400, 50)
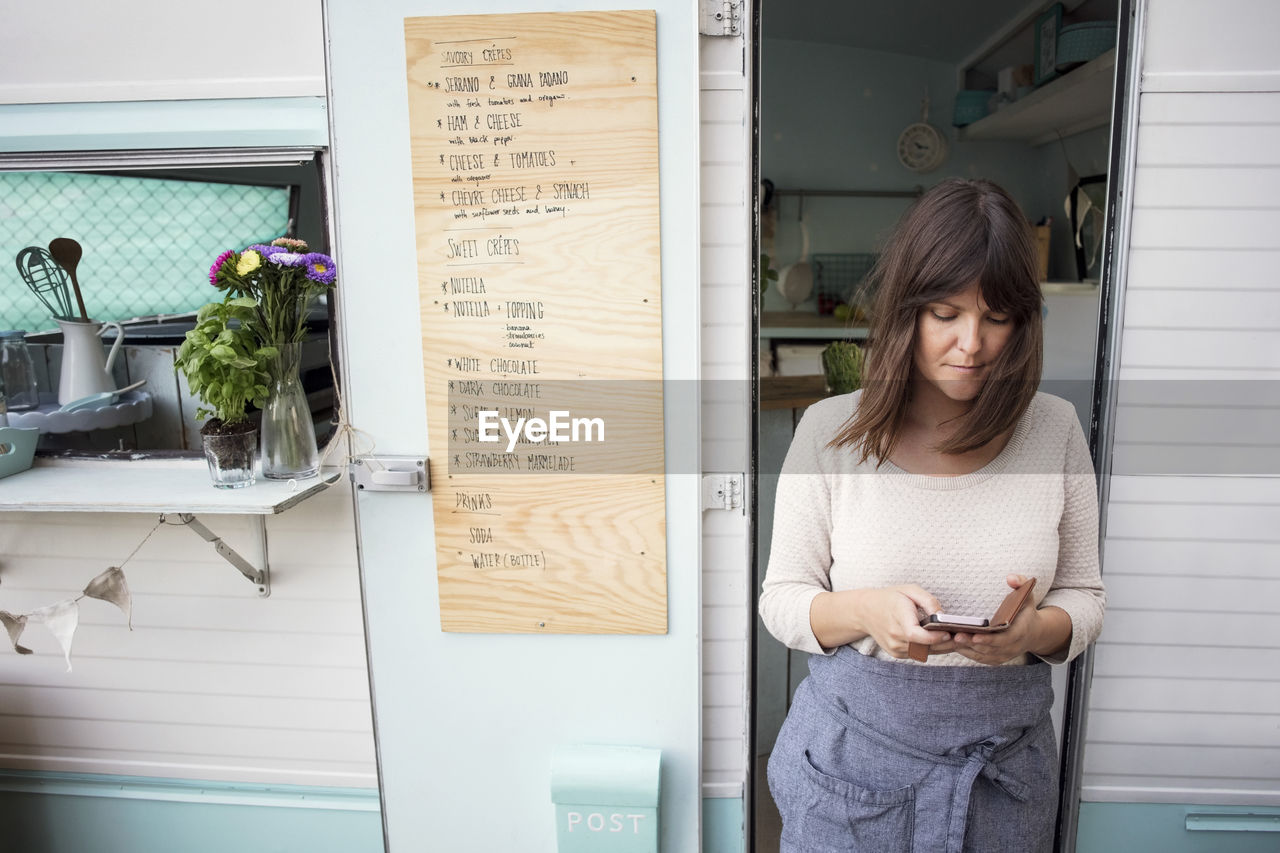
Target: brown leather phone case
point(1003, 618)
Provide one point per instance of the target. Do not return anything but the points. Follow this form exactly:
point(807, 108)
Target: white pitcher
point(85, 370)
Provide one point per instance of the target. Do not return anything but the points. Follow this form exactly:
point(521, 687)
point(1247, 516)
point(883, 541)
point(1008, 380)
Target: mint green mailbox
point(606, 799)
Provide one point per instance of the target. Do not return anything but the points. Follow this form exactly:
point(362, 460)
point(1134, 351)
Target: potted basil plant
point(842, 362)
point(227, 368)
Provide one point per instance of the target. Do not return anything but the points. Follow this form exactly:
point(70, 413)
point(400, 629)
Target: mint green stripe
point(722, 823)
point(1176, 828)
point(45, 821)
point(184, 791)
point(227, 123)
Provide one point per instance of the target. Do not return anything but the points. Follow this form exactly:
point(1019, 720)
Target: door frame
point(1123, 146)
point(1112, 283)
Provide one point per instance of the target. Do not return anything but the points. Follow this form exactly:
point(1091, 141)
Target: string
point(143, 542)
point(343, 431)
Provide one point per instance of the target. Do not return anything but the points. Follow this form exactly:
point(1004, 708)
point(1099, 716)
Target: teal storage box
point(606, 799)
point(1079, 43)
point(17, 449)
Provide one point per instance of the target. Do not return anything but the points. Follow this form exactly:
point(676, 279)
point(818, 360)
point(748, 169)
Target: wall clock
point(922, 147)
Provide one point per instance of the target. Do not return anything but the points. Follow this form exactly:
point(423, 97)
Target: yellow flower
point(248, 262)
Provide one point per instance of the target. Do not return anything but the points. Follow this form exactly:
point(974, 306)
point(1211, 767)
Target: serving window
point(150, 224)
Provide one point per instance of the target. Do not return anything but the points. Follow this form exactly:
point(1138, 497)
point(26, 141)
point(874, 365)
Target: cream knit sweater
point(1033, 510)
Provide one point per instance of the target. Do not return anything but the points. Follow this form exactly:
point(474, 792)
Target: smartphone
point(1003, 617)
point(967, 624)
point(950, 619)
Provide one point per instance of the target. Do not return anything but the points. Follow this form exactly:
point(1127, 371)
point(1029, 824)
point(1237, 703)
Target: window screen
point(148, 242)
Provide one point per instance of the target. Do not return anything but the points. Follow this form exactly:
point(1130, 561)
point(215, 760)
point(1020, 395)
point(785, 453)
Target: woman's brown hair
point(959, 232)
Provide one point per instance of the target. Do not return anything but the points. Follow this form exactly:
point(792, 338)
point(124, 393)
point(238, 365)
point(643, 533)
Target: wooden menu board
point(535, 179)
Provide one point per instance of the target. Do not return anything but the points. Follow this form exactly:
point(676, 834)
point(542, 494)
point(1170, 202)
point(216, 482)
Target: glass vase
point(230, 457)
point(288, 434)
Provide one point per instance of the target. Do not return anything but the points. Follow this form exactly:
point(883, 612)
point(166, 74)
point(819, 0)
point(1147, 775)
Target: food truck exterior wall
point(222, 718)
point(131, 731)
point(1183, 732)
point(1224, 87)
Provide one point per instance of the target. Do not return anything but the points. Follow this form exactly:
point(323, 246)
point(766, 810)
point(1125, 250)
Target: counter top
point(146, 485)
point(792, 392)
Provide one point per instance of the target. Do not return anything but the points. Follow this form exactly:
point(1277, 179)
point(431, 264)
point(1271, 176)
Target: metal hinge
point(390, 473)
point(720, 17)
point(261, 578)
point(722, 491)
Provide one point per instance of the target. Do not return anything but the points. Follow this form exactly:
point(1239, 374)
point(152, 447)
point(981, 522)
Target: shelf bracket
point(259, 577)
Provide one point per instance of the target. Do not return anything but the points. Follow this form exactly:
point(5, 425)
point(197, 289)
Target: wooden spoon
point(67, 253)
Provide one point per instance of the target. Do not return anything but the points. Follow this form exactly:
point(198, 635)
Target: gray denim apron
point(880, 757)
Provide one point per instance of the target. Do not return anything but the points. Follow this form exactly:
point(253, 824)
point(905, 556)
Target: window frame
point(124, 161)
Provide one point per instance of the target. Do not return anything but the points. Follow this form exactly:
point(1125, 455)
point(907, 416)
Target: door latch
point(390, 473)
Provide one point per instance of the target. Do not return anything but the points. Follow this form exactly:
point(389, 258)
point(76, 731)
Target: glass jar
point(288, 433)
point(17, 371)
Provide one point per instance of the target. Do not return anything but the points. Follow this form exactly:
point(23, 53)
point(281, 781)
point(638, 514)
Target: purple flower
point(286, 259)
point(265, 251)
point(320, 268)
point(217, 265)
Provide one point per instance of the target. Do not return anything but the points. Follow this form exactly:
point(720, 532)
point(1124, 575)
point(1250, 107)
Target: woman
point(942, 484)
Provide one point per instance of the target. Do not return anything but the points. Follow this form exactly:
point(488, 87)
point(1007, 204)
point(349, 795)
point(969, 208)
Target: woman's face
point(957, 339)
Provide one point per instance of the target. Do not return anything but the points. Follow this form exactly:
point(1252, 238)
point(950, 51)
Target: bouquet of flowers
point(281, 278)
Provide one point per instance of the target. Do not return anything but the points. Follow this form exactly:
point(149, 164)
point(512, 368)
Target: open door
point(470, 717)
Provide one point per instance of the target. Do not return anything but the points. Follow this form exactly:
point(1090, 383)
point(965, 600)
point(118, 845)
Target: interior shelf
point(807, 324)
point(1077, 101)
point(792, 392)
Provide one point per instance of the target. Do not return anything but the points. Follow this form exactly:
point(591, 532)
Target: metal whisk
point(46, 280)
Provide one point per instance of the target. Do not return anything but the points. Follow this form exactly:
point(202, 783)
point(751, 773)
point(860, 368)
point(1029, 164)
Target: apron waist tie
point(979, 763)
point(983, 760)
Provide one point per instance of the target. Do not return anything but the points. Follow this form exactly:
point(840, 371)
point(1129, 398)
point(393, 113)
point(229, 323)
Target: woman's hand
point(1037, 631)
point(887, 614)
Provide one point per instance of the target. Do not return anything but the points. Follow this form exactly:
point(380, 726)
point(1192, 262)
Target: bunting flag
point(14, 625)
point(61, 619)
point(110, 586)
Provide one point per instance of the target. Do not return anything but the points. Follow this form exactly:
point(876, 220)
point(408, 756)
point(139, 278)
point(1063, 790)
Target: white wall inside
point(830, 119)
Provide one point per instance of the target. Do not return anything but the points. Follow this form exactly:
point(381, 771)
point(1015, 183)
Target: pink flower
point(291, 243)
point(217, 265)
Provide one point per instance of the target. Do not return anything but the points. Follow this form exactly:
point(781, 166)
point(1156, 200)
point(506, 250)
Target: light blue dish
point(97, 401)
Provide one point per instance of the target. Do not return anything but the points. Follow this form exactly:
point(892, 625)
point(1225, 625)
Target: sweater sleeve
point(1077, 584)
point(800, 553)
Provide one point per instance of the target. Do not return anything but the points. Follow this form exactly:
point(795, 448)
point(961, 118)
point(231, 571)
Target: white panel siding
point(725, 134)
point(1225, 46)
point(136, 51)
point(1205, 268)
point(1224, 310)
point(213, 682)
point(1185, 701)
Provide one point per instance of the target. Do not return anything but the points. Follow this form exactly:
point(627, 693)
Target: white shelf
point(146, 485)
point(1077, 101)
